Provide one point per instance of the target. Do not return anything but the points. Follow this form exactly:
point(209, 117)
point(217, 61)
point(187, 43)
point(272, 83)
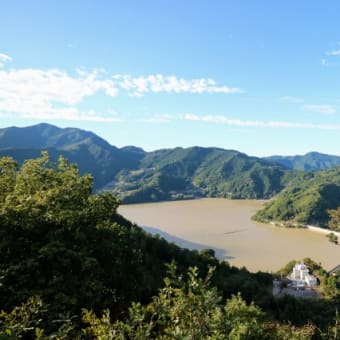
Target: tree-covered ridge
point(138, 176)
point(91, 153)
point(191, 172)
point(181, 173)
point(308, 162)
point(306, 200)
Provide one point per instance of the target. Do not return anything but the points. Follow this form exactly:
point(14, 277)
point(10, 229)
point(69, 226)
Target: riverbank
point(322, 230)
point(290, 224)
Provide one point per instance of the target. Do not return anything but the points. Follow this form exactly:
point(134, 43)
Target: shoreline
point(322, 230)
point(212, 222)
point(284, 224)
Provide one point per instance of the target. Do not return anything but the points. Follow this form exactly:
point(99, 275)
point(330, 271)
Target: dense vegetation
point(138, 176)
point(334, 219)
point(191, 172)
point(308, 162)
point(307, 200)
point(70, 247)
point(64, 249)
point(181, 173)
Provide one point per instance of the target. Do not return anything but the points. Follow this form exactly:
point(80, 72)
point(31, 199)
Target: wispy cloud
point(334, 53)
point(217, 119)
point(73, 114)
point(155, 83)
point(4, 58)
point(161, 118)
point(323, 109)
point(324, 62)
point(220, 119)
point(72, 45)
point(291, 100)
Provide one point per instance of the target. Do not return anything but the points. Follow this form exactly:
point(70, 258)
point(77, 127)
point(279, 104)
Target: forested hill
point(179, 173)
point(91, 153)
point(307, 199)
point(309, 161)
point(184, 173)
point(139, 176)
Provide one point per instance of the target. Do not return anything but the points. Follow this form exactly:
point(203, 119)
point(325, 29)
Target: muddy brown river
point(226, 226)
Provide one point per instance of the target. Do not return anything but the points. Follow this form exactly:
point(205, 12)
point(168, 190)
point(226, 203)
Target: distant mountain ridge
point(91, 153)
point(308, 162)
point(47, 136)
point(190, 172)
point(178, 173)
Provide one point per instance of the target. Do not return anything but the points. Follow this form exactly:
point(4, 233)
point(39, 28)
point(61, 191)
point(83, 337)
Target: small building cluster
point(300, 276)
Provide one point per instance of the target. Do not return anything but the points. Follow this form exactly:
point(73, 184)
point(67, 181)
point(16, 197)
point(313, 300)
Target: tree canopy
point(64, 249)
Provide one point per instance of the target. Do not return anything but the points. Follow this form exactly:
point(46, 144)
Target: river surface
point(226, 227)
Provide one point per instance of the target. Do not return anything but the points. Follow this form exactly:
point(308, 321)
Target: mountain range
point(135, 175)
point(91, 153)
point(309, 161)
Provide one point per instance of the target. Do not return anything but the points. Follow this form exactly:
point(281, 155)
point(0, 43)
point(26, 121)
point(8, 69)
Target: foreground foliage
point(64, 249)
point(189, 309)
point(193, 310)
point(69, 246)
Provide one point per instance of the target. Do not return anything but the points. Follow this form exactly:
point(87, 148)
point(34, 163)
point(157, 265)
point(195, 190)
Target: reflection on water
point(226, 226)
point(219, 253)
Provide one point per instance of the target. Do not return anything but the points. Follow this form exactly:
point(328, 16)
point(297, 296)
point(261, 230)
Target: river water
point(226, 226)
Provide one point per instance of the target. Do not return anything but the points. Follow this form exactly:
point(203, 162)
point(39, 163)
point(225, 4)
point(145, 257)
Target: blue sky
point(262, 77)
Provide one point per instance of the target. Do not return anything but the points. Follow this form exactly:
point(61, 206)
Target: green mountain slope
point(138, 176)
point(306, 199)
point(185, 173)
point(179, 173)
point(309, 161)
point(91, 153)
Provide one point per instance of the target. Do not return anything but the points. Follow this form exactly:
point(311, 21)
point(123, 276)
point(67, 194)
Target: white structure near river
point(301, 277)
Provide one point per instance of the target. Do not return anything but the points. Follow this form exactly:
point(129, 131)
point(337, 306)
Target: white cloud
point(56, 94)
point(71, 113)
point(51, 94)
point(138, 86)
point(291, 100)
point(323, 109)
point(217, 119)
point(191, 116)
point(72, 45)
point(4, 58)
point(333, 53)
point(163, 118)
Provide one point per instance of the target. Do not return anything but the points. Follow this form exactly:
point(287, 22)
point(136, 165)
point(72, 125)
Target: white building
point(301, 277)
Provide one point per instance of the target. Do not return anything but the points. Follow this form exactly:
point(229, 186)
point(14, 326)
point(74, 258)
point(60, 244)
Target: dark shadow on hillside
point(221, 254)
